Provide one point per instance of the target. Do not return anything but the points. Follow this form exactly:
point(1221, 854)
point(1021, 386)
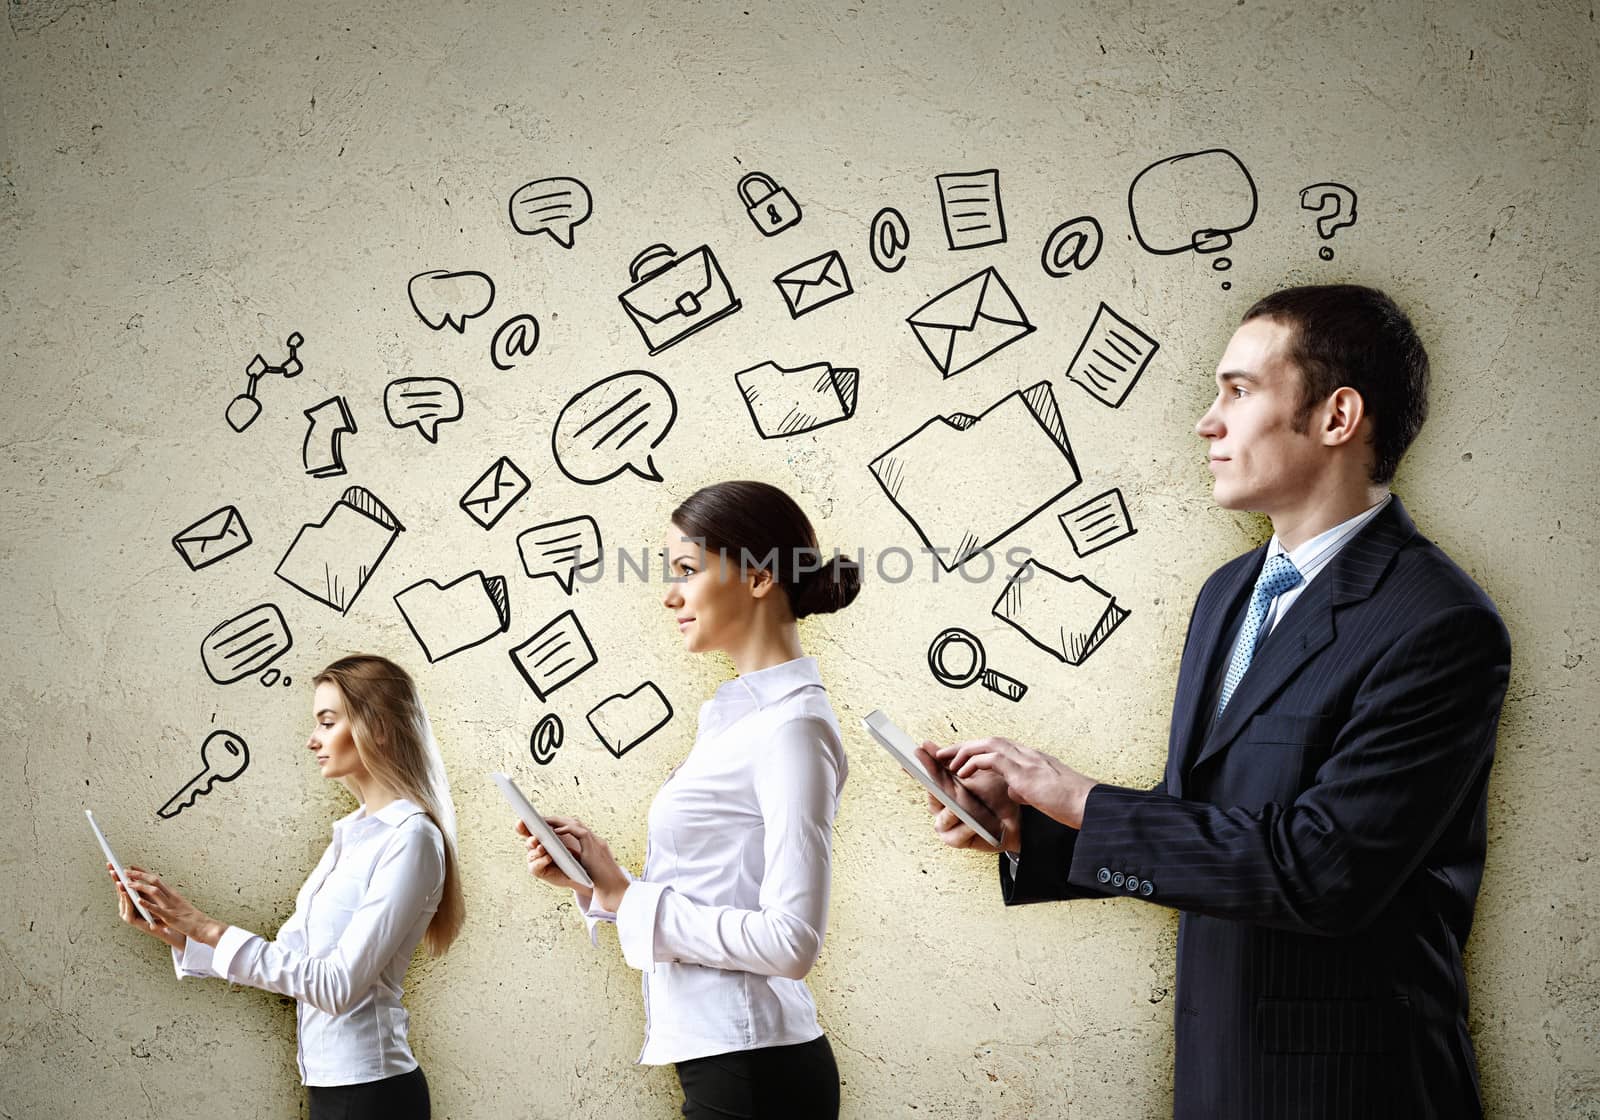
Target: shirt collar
point(1313, 555)
point(767, 686)
point(391, 814)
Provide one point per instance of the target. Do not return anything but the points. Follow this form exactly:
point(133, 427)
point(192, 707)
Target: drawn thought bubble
point(553, 206)
point(560, 549)
point(613, 426)
point(422, 403)
point(443, 299)
point(1195, 201)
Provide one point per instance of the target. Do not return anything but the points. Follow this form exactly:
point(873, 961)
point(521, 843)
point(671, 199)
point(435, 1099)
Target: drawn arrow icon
point(322, 454)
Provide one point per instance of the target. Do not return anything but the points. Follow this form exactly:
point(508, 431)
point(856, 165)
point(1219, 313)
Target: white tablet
point(116, 865)
point(904, 749)
point(543, 832)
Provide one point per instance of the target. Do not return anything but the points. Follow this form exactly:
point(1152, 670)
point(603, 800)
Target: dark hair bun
point(831, 588)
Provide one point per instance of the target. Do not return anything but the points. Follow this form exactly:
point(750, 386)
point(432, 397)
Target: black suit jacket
point(1324, 839)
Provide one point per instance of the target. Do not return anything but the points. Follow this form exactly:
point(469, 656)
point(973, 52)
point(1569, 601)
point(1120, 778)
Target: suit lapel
point(1351, 576)
point(1210, 628)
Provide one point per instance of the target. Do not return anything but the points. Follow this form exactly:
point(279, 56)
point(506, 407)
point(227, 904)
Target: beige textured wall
point(182, 185)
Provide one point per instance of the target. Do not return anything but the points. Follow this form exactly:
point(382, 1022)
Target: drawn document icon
point(332, 559)
point(970, 203)
point(461, 614)
point(965, 481)
point(1066, 616)
point(672, 297)
point(963, 326)
point(1111, 357)
point(625, 721)
point(554, 655)
point(787, 402)
point(1101, 521)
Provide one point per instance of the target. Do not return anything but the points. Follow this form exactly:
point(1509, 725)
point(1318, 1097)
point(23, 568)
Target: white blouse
point(730, 912)
point(344, 952)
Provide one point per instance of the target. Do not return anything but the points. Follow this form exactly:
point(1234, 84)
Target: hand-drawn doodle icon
point(516, 339)
point(422, 403)
point(966, 664)
point(1192, 202)
point(556, 653)
point(888, 239)
point(448, 299)
point(1071, 247)
point(1335, 207)
point(789, 402)
point(245, 644)
point(964, 482)
point(216, 536)
point(560, 549)
point(814, 283)
point(458, 615)
point(243, 409)
point(546, 738)
point(604, 430)
point(223, 757)
point(770, 207)
point(332, 559)
point(970, 203)
point(1111, 357)
point(673, 297)
point(496, 491)
point(625, 720)
point(1101, 521)
point(1066, 616)
point(327, 425)
point(972, 321)
point(552, 206)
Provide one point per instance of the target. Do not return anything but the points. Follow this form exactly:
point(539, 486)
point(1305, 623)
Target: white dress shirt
point(730, 912)
point(344, 952)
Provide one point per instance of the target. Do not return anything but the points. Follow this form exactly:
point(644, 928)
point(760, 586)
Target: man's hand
point(987, 790)
point(1029, 776)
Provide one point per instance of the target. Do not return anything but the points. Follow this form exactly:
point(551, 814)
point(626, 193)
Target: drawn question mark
point(1335, 207)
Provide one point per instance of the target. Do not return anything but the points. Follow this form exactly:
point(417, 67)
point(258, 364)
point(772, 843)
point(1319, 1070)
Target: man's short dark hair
point(1349, 335)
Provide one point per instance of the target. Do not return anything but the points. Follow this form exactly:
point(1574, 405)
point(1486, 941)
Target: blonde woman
point(730, 912)
point(387, 881)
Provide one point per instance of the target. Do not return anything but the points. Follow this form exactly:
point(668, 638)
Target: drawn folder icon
point(973, 320)
point(332, 559)
point(787, 402)
point(1066, 616)
point(461, 614)
point(964, 482)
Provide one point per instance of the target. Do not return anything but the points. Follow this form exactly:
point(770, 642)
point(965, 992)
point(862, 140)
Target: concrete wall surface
point(185, 185)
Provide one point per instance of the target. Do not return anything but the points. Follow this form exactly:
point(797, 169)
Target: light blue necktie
point(1277, 576)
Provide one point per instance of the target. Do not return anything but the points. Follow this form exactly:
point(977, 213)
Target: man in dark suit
point(1321, 824)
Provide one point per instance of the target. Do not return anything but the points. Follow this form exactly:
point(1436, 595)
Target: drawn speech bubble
point(443, 299)
point(422, 403)
point(613, 426)
point(560, 549)
point(553, 206)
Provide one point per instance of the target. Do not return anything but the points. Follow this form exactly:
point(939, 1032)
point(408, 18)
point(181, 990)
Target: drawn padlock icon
point(770, 207)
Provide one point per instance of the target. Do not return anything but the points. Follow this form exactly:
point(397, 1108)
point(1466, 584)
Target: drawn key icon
point(224, 757)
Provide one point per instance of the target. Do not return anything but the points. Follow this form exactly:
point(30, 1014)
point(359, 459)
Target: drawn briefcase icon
point(673, 297)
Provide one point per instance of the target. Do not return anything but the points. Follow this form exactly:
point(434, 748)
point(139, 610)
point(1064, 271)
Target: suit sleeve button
point(1104, 875)
point(1133, 884)
point(1116, 880)
point(1147, 888)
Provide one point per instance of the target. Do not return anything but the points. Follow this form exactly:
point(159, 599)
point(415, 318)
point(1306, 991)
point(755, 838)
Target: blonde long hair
point(395, 743)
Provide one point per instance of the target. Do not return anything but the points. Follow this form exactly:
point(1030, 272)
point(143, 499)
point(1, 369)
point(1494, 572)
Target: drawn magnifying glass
point(956, 659)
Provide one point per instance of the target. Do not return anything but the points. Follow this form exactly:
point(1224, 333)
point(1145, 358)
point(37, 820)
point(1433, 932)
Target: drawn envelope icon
point(332, 559)
point(813, 283)
point(787, 402)
point(487, 500)
point(968, 323)
point(1066, 616)
point(213, 537)
point(966, 481)
point(457, 616)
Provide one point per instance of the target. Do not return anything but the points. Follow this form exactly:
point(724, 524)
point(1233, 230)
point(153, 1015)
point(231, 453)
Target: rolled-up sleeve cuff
point(593, 916)
point(194, 959)
point(636, 923)
point(228, 945)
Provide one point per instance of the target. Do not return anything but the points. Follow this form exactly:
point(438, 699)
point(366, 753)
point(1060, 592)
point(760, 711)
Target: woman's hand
point(127, 912)
point(174, 913)
point(542, 866)
point(610, 881)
